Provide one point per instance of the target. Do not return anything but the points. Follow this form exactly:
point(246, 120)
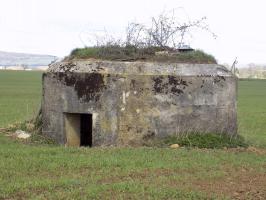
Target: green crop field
point(252, 110)
point(42, 171)
point(20, 95)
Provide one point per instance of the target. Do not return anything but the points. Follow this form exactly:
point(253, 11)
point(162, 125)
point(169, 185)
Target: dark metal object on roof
point(185, 48)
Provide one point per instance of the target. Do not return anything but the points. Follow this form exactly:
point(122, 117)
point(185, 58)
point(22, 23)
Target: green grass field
point(35, 171)
point(20, 95)
point(252, 111)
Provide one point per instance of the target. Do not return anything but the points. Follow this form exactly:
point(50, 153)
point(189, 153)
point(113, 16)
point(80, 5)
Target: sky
point(55, 27)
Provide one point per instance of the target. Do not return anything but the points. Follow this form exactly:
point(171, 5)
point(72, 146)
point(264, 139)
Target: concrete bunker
point(94, 103)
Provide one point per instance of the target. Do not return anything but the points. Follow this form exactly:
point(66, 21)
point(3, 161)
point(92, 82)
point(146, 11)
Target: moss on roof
point(131, 53)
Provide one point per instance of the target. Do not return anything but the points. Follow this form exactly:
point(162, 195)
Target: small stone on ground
point(174, 146)
point(22, 134)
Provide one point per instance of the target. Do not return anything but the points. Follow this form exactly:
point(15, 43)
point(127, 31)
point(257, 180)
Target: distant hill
point(12, 59)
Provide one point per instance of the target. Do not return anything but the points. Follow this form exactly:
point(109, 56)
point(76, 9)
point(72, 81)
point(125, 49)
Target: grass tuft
point(208, 140)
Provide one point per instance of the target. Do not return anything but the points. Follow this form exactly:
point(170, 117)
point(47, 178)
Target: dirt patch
point(3, 130)
point(242, 185)
point(259, 151)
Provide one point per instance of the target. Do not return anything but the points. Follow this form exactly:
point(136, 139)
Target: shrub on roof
point(162, 40)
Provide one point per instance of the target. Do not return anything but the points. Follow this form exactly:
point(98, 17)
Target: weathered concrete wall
point(132, 101)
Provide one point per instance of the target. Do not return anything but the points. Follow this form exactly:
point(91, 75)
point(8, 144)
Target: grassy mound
point(131, 53)
point(209, 141)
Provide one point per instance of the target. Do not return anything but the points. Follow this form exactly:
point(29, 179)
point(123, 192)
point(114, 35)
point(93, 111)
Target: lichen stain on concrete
point(67, 67)
point(133, 84)
point(172, 84)
point(87, 86)
point(158, 84)
point(176, 81)
point(218, 79)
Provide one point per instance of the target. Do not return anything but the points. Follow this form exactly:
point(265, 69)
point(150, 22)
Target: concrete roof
point(139, 68)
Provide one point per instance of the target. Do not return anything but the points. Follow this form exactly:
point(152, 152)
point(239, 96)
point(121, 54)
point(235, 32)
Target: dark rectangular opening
point(86, 130)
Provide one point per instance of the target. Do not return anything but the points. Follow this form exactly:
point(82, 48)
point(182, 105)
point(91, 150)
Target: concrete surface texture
point(134, 101)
